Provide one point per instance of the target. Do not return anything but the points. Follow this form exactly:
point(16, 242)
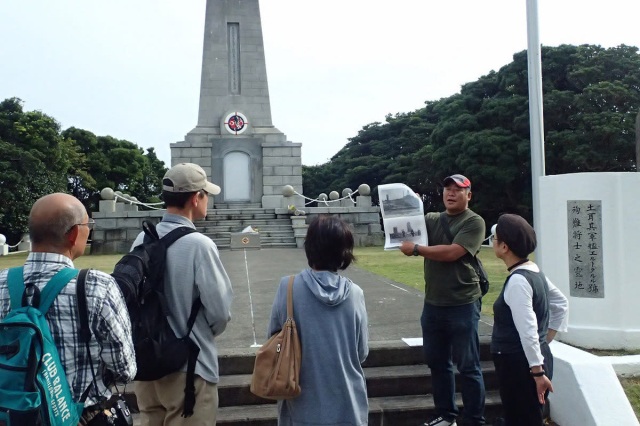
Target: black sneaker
point(440, 421)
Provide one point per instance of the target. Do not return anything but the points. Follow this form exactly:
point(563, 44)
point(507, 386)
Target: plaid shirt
point(111, 345)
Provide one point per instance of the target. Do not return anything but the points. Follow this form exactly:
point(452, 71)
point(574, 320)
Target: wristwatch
point(415, 250)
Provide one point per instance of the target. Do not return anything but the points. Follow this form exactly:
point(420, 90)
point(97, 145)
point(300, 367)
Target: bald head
point(52, 216)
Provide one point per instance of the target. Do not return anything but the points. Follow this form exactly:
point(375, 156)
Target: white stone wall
point(611, 322)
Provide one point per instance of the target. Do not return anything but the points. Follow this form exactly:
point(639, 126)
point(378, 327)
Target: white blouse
point(518, 295)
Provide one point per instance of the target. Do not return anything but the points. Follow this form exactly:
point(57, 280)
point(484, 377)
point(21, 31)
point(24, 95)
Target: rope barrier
point(16, 245)
point(326, 202)
point(139, 203)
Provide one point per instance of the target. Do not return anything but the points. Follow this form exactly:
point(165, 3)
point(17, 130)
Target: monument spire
point(234, 140)
point(234, 73)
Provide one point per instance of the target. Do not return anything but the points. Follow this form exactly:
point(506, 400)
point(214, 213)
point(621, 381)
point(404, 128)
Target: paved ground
point(393, 309)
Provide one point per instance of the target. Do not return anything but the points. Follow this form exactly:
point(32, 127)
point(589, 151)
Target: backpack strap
point(176, 234)
point(150, 230)
point(445, 227)
point(15, 281)
point(54, 286)
point(84, 327)
point(194, 351)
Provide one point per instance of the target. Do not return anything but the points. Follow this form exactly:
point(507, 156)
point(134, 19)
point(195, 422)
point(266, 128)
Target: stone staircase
point(398, 386)
point(275, 230)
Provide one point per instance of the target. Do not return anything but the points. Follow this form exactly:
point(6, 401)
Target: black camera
point(115, 413)
point(121, 413)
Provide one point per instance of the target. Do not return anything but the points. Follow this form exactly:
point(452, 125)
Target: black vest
point(505, 338)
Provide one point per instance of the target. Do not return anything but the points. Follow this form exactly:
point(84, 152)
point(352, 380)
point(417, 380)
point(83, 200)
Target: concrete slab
point(393, 308)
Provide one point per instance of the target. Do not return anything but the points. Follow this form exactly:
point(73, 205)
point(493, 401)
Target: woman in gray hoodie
point(331, 320)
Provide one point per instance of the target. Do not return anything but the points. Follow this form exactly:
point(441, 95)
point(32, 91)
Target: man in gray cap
point(193, 269)
point(452, 305)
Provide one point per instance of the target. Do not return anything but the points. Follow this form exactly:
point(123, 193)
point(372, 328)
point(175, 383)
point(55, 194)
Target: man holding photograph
point(452, 304)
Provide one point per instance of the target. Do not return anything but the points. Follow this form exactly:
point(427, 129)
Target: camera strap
point(85, 330)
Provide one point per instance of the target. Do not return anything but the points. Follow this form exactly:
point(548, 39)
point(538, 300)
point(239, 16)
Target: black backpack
point(140, 276)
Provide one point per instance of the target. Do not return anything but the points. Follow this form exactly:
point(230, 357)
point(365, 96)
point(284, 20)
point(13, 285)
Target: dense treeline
point(38, 158)
point(591, 98)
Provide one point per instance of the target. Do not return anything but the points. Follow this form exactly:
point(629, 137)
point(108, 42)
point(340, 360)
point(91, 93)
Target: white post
point(536, 123)
point(4, 248)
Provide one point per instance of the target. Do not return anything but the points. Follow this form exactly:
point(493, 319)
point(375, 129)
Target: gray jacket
point(194, 270)
point(331, 320)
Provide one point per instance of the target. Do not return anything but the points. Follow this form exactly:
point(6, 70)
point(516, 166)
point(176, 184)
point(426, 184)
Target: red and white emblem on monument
point(236, 123)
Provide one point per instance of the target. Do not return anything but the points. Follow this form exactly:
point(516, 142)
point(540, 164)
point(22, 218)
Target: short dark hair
point(329, 244)
point(176, 199)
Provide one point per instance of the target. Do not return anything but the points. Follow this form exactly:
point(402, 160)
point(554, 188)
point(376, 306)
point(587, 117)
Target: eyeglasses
point(89, 224)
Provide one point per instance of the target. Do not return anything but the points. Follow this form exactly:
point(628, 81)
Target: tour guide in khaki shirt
point(452, 305)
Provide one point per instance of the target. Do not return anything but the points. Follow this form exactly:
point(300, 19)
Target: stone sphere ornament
point(346, 192)
point(333, 195)
point(3, 239)
point(322, 197)
point(107, 194)
point(288, 191)
point(119, 196)
point(364, 189)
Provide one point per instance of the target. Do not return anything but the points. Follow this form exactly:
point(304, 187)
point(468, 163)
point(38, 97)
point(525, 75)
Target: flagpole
point(536, 122)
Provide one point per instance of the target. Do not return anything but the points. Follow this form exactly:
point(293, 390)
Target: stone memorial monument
point(235, 141)
point(589, 230)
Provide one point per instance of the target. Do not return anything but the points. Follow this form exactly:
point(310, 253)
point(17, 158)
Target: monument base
point(601, 338)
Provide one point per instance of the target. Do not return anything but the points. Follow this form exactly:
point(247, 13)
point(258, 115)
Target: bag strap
point(473, 259)
point(445, 227)
point(85, 328)
point(54, 286)
point(176, 234)
point(15, 281)
point(149, 230)
point(194, 350)
point(290, 298)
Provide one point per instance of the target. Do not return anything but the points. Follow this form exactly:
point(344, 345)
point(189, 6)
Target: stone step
point(383, 411)
point(381, 354)
point(262, 229)
point(241, 216)
point(229, 205)
point(397, 380)
point(254, 222)
point(236, 210)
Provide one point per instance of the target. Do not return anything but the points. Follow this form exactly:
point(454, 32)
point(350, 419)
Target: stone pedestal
point(107, 206)
point(299, 225)
point(363, 201)
point(4, 249)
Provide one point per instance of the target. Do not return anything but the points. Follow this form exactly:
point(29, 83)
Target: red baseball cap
point(459, 180)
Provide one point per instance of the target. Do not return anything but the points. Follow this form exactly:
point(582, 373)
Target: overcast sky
point(131, 68)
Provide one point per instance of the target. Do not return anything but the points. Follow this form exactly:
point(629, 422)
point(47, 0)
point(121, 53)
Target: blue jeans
point(450, 334)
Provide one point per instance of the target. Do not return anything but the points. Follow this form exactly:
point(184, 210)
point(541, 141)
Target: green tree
point(591, 98)
point(34, 159)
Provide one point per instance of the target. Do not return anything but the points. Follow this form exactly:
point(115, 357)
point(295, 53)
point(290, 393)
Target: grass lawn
point(102, 262)
point(408, 270)
point(631, 387)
